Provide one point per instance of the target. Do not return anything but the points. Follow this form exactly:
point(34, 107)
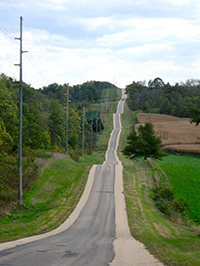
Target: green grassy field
point(183, 173)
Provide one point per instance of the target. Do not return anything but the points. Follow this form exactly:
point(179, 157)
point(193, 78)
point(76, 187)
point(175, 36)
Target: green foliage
point(57, 123)
point(169, 204)
point(156, 83)
point(74, 128)
point(144, 145)
point(94, 117)
point(87, 92)
point(5, 138)
point(195, 110)
point(171, 100)
point(8, 110)
point(9, 177)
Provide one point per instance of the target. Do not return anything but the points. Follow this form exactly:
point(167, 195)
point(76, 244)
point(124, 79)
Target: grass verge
point(171, 243)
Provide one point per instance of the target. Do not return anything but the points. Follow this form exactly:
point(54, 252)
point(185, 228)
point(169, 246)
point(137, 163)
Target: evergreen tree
point(144, 144)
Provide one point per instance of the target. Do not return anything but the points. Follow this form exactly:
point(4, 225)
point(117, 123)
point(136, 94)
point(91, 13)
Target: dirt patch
point(163, 231)
point(44, 162)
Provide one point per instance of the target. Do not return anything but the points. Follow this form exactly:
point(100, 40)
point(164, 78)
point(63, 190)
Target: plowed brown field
point(177, 134)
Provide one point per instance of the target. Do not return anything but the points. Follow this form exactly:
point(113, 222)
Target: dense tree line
point(180, 100)
point(87, 92)
point(44, 114)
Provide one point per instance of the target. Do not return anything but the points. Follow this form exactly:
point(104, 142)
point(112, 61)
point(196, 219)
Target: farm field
point(183, 173)
point(177, 134)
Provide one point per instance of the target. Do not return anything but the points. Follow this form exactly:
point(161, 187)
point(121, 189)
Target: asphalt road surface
point(89, 240)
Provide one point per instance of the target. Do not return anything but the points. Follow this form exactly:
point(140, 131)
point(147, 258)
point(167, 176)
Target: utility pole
point(83, 128)
point(91, 138)
point(67, 107)
point(20, 120)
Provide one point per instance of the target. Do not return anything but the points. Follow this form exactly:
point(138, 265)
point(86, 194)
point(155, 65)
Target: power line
point(7, 60)
point(13, 8)
point(29, 57)
point(8, 33)
point(34, 63)
point(33, 37)
point(31, 60)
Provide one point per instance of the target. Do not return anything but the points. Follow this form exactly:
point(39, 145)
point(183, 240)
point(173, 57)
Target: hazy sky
point(120, 41)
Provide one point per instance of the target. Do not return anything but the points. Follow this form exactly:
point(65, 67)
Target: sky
point(119, 41)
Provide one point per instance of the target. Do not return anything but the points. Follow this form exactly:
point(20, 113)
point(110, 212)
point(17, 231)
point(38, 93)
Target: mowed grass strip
point(171, 243)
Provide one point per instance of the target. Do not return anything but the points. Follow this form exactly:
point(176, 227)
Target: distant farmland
point(177, 134)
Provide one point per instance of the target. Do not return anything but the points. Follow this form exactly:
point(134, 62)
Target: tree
point(144, 144)
point(73, 128)
point(195, 111)
point(156, 83)
point(5, 138)
point(57, 123)
point(8, 110)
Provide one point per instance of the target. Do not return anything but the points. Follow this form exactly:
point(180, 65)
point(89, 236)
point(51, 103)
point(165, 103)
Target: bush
point(169, 204)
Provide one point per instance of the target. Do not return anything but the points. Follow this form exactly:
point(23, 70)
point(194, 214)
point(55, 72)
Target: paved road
point(89, 240)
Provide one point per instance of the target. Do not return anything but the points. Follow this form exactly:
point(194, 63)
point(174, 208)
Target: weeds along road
point(87, 237)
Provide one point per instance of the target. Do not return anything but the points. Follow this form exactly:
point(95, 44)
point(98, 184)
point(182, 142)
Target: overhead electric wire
point(8, 33)
point(13, 8)
point(29, 57)
point(31, 60)
point(5, 31)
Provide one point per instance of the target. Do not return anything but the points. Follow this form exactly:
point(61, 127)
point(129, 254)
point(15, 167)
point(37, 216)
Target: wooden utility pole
point(20, 120)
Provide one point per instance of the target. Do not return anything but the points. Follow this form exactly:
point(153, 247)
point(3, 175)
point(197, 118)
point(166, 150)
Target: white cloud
point(177, 2)
point(74, 41)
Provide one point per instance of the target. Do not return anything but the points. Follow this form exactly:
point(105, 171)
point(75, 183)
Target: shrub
point(169, 204)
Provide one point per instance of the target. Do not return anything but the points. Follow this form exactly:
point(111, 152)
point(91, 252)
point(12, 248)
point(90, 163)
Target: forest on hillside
point(44, 114)
point(182, 100)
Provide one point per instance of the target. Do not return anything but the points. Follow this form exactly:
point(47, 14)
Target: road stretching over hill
point(96, 233)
